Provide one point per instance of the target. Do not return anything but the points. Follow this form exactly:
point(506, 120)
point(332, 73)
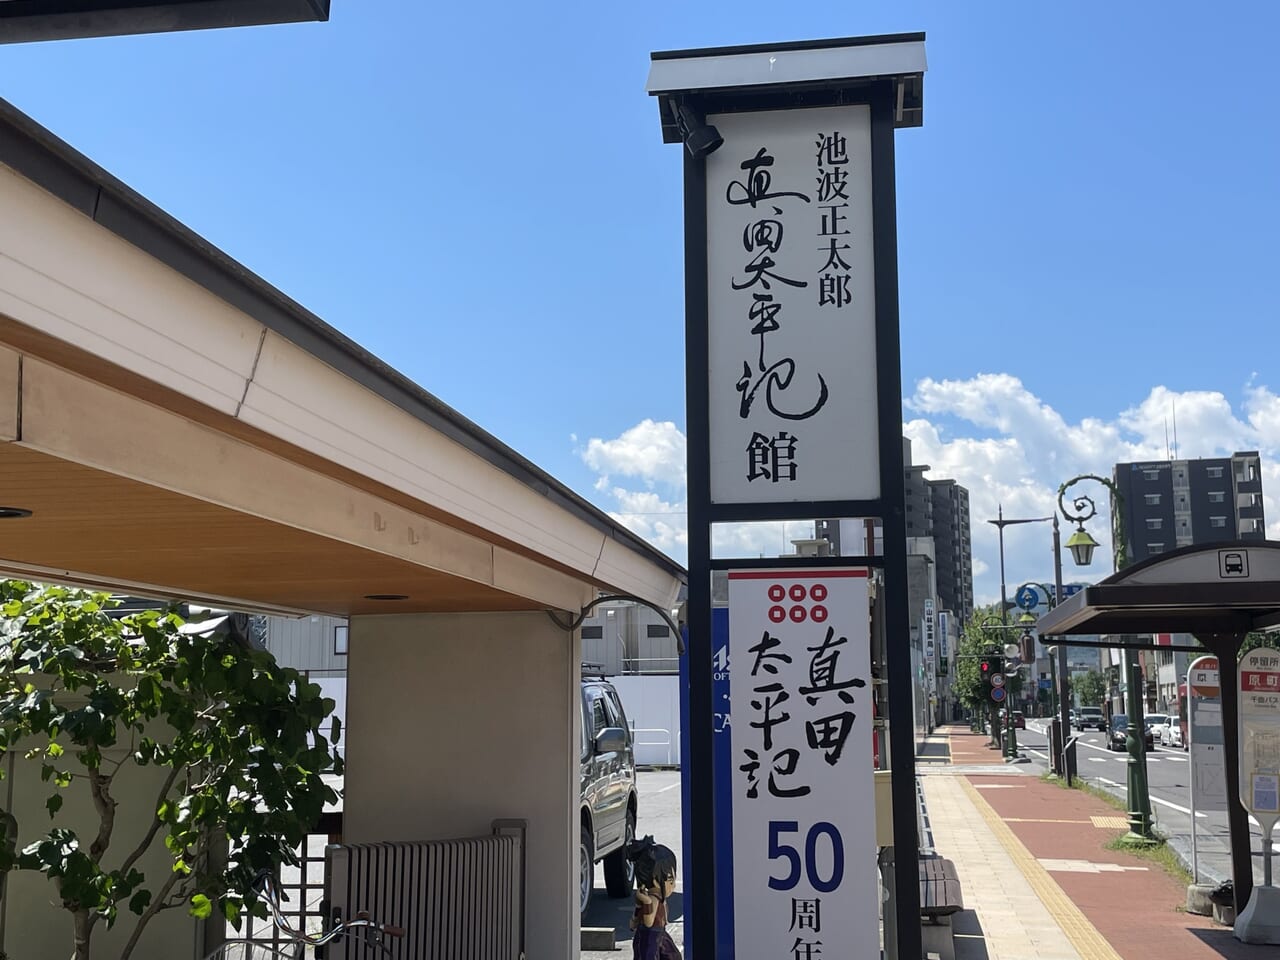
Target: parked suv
point(609, 802)
point(1087, 717)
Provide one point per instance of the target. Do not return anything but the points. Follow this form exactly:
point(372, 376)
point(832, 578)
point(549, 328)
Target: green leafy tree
point(234, 739)
point(980, 635)
point(1256, 639)
point(1089, 687)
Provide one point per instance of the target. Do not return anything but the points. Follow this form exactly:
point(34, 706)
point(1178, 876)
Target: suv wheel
point(586, 869)
point(619, 872)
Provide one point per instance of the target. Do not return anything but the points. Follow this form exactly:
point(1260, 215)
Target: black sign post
point(768, 439)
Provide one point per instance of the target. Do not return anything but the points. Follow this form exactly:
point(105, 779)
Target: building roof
point(115, 292)
point(24, 21)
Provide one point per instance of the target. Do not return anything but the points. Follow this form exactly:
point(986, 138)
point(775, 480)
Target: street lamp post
point(1064, 762)
point(999, 738)
point(1081, 545)
point(1000, 523)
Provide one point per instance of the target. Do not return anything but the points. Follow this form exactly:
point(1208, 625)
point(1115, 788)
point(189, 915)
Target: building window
point(1151, 474)
point(1217, 521)
point(1217, 496)
point(1213, 473)
point(1152, 499)
point(656, 630)
point(595, 632)
point(340, 640)
point(1154, 523)
point(1155, 548)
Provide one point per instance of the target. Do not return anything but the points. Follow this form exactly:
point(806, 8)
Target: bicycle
point(371, 933)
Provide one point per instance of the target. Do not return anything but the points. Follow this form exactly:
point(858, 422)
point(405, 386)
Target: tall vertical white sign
point(1260, 734)
point(804, 865)
point(791, 375)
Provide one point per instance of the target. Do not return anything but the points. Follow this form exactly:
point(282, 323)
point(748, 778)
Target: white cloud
point(654, 452)
point(994, 437)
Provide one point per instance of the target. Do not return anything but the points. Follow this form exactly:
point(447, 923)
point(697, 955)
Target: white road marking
point(670, 786)
point(1085, 866)
point(1163, 803)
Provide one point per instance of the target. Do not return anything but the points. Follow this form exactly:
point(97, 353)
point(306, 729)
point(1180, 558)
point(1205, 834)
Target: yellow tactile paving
point(1087, 941)
point(1110, 823)
point(1042, 820)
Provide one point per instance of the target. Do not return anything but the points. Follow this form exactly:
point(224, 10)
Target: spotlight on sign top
point(700, 137)
point(25, 21)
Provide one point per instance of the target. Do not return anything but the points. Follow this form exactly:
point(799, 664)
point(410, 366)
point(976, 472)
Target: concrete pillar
point(457, 719)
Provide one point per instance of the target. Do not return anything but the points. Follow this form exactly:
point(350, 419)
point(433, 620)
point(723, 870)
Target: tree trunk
point(84, 928)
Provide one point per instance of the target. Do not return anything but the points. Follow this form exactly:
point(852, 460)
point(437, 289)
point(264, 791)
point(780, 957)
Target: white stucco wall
point(458, 719)
point(35, 926)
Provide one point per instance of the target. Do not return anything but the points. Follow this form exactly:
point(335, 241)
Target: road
point(659, 793)
point(1168, 779)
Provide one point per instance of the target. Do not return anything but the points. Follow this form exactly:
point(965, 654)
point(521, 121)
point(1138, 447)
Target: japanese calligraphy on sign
point(791, 307)
point(1260, 734)
point(804, 877)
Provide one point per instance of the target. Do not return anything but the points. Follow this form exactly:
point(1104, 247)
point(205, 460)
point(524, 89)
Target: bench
point(940, 897)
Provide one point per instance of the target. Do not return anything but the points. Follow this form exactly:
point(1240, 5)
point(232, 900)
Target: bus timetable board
point(1204, 704)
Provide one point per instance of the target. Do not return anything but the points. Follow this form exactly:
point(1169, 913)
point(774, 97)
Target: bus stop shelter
point(1218, 593)
point(172, 426)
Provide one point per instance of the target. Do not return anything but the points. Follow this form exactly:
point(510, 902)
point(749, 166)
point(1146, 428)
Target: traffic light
point(990, 664)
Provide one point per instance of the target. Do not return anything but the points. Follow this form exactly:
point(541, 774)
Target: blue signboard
point(1027, 597)
point(723, 778)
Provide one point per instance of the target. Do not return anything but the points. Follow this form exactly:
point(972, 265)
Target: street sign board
point(1027, 597)
point(1202, 678)
point(997, 679)
point(998, 694)
point(800, 699)
point(1260, 735)
point(1204, 721)
point(791, 375)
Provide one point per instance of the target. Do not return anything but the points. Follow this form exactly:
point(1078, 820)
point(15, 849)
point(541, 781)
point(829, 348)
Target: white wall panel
point(458, 719)
point(653, 709)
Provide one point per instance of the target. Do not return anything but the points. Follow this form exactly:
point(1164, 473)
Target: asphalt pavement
point(659, 795)
point(1168, 780)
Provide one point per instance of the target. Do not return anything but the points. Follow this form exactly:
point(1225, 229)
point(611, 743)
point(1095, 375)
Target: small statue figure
point(655, 867)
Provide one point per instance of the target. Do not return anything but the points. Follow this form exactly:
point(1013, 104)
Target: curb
point(1180, 847)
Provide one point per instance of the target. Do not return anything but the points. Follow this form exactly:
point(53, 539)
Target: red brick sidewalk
point(971, 748)
point(1136, 910)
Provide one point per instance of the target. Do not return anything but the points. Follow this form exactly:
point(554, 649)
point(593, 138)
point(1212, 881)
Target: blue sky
point(479, 194)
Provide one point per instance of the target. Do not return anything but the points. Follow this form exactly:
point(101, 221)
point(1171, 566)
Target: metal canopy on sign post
point(1218, 592)
point(794, 413)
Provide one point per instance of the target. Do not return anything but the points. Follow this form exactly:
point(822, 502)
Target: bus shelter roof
point(1231, 587)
